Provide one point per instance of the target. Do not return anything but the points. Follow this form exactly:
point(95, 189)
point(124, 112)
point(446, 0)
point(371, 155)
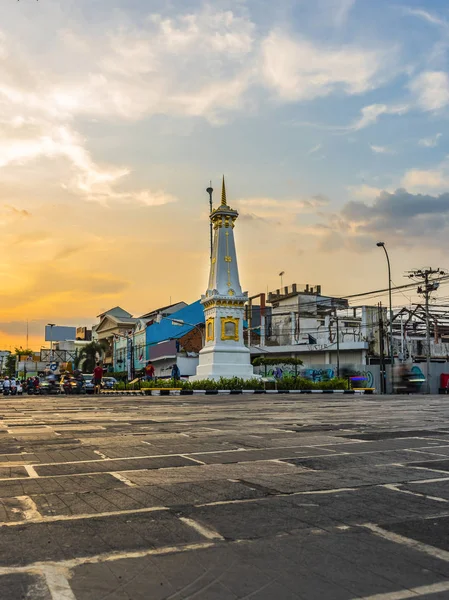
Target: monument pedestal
point(216, 362)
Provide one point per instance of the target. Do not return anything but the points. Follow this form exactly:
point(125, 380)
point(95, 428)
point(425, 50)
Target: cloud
point(364, 192)
point(370, 114)
point(296, 69)
point(425, 16)
point(430, 142)
point(431, 90)
point(342, 11)
point(381, 149)
point(314, 149)
point(424, 179)
point(401, 217)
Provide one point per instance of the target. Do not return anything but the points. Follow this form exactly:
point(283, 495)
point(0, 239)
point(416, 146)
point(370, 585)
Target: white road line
point(200, 462)
point(106, 557)
point(83, 516)
point(395, 488)
point(123, 479)
point(404, 541)
point(58, 583)
point(206, 532)
point(417, 592)
point(434, 480)
point(31, 471)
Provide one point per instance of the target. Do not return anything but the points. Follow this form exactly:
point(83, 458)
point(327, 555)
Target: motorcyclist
point(13, 385)
point(6, 386)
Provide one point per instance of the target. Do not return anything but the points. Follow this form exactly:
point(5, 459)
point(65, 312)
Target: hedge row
point(235, 383)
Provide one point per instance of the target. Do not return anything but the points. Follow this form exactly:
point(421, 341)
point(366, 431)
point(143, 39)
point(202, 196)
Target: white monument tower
point(224, 353)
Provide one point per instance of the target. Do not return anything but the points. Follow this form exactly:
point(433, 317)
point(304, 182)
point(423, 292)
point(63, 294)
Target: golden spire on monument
point(223, 193)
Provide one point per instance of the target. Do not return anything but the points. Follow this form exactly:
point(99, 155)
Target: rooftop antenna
point(209, 190)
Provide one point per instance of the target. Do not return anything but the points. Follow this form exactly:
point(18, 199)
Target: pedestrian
point(149, 372)
point(277, 373)
point(98, 376)
point(175, 373)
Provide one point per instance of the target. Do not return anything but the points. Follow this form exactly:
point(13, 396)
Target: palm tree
point(89, 355)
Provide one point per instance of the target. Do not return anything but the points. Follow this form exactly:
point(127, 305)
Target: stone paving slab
point(275, 524)
point(21, 586)
point(113, 465)
point(303, 566)
point(337, 478)
point(130, 498)
point(46, 485)
point(249, 455)
point(25, 544)
point(328, 463)
point(9, 472)
point(434, 532)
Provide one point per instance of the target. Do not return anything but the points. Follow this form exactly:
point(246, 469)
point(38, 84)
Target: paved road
point(223, 498)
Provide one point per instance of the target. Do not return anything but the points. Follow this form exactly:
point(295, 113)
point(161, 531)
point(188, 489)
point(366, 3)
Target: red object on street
point(444, 380)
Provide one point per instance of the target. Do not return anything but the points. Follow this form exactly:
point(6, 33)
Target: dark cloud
point(401, 217)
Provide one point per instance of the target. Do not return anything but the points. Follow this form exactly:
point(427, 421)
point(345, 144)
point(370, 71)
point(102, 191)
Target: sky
point(328, 118)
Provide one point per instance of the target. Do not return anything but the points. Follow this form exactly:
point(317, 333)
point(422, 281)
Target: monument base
point(226, 362)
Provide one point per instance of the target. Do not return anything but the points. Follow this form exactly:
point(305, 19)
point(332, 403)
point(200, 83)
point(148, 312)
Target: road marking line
point(83, 516)
point(206, 532)
point(123, 479)
point(58, 583)
point(427, 469)
point(435, 480)
point(31, 471)
point(106, 557)
point(395, 488)
point(410, 543)
point(200, 462)
point(416, 592)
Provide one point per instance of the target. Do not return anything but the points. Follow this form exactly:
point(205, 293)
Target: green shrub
point(236, 383)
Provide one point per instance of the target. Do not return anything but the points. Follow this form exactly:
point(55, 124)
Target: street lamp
point(281, 274)
point(181, 322)
point(382, 245)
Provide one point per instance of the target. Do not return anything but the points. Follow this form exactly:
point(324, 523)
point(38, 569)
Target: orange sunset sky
point(114, 116)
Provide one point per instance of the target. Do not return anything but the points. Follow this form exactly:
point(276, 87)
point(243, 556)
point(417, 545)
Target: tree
point(22, 351)
point(89, 355)
point(10, 365)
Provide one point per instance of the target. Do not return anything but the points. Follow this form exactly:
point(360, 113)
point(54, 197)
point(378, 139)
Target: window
point(210, 330)
point(229, 328)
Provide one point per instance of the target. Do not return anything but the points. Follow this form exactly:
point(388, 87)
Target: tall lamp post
point(209, 190)
point(51, 325)
point(382, 245)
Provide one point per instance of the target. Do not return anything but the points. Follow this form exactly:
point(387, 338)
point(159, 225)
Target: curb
point(168, 392)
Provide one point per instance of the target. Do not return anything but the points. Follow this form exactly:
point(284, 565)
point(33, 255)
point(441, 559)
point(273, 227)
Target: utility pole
point(430, 285)
point(338, 345)
point(381, 351)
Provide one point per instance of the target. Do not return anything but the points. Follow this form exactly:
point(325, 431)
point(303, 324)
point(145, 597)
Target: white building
point(318, 329)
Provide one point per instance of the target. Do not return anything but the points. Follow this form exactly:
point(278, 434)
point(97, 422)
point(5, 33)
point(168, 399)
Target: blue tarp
point(165, 330)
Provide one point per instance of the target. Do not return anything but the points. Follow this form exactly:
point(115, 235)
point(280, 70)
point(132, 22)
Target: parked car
point(89, 383)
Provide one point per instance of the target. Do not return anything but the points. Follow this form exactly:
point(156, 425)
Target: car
point(108, 383)
point(89, 383)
